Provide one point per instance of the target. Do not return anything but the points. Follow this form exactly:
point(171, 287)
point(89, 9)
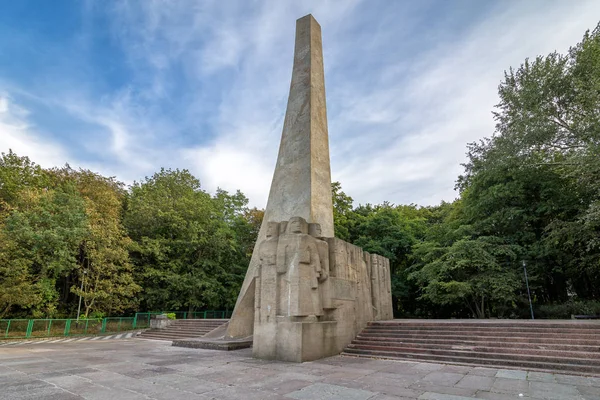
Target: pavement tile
point(396, 391)
point(20, 386)
point(589, 392)
point(400, 368)
point(349, 373)
point(281, 386)
point(192, 385)
point(388, 397)
point(553, 391)
point(499, 396)
point(483, 371)
point(427, 367)
point(357, 384)
point(476, 382)
point(512, 374)
point(385, 378)
point(166, 363)
point(323, 391)
point(573, 380)
point(459, 369)
point(49, 393)
point(434, 388)
point(238, 393)
point(302, 377)
point(149, 372)
point(510, 386)
point(13, 377)
point(441, 396)
point(540, 376)
point(442, 378)
point(237, 377)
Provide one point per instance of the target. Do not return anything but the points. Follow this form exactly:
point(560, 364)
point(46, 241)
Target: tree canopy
point(529, 198)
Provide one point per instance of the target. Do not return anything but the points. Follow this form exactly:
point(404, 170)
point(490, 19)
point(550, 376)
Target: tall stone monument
point(306, 294)
point(301, 184)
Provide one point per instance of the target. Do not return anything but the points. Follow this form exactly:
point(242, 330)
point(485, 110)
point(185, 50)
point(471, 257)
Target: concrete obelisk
point(301, 184)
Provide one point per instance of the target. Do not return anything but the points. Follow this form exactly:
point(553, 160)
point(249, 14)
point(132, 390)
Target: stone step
point(477, 361)
point(190, 328)
point(178, 334)
point(590, 346)
point(474, 330)
point(545, 358)
point(467, 324)
point(554, 345)
point(481, 348)
point(159, 331)
point(184, 329)
point(513, 339)
point(491, 333)
point(165, 337)
point(174, 333)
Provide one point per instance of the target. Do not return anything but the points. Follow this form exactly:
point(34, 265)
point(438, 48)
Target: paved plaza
point(144, 369)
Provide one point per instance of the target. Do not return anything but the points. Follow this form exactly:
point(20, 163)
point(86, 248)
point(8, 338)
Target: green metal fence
point(39, 328)
point(143, 319)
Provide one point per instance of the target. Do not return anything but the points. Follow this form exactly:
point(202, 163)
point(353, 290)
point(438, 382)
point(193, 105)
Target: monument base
point(214, 344)
point(299, 341)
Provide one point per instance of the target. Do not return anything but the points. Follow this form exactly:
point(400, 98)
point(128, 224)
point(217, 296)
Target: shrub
point(565, 310)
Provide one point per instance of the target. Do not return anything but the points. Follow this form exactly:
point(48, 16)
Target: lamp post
point(528, 293)
point(79, 307)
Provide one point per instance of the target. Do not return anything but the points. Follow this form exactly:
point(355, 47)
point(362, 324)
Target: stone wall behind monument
point(361, 289)
point(314, 294)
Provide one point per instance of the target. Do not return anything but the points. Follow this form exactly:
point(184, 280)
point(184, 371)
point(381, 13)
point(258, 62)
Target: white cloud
point(448, 102)
point(399, 119)
point(19, 135)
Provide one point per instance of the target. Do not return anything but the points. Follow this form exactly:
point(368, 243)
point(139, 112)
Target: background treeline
point(164, 244)
point(530, 194)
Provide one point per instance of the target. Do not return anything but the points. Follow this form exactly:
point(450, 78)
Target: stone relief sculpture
point(266, 274)
point(324, 282)
point(314, 291)
point(299, 265)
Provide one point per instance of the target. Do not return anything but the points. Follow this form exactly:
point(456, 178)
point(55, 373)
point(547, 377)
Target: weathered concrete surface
point(314, 294)
point(142, 369)
point(160, 321)
point(214, 344)
point(301, 183)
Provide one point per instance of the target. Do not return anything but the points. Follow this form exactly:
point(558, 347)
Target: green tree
point(187, 253)
point(103, 261)
point(44, 231)
point(342, 209)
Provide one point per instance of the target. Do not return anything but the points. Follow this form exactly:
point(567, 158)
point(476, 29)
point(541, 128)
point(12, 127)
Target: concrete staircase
point(551, 345)
point(184, 329)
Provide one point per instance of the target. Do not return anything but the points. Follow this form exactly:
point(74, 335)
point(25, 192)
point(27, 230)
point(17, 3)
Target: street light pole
point(528, 292)
point(79, 307)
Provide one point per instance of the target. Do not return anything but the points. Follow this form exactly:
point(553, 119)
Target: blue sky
point(127, 87)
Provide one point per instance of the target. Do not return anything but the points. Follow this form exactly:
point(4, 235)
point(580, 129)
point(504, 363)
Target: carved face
point(315, 230)
point(272, 229)
point(297, 225)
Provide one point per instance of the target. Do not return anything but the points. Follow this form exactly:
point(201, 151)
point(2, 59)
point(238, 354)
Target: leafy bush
point(171, 315)
point(565, 310)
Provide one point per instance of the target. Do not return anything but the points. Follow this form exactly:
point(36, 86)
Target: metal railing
point(143, 319)
point(40, 328)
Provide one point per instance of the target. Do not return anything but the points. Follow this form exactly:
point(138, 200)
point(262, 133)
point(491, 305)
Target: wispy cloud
point(21, 136)
point(203, 85)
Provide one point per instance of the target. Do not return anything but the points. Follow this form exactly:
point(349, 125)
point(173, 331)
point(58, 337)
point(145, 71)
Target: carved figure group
point(292, 278)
